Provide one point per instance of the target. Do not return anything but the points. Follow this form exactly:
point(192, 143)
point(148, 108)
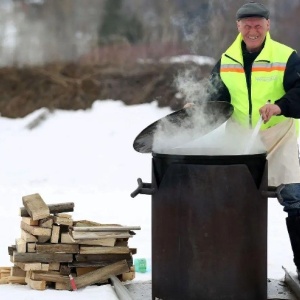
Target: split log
point(35, 206)
point(54, 208)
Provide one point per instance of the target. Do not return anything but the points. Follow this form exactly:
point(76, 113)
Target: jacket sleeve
point(218, 91)
point(290, 102)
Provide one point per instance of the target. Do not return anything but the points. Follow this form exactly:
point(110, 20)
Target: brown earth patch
point(75, 86)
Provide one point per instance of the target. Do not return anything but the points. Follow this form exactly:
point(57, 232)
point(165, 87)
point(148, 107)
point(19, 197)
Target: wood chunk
point(103, 250)
point(31, 247)
point(17, 272)
point(62, 221)
point(36, 284)
point(54, 208)
point(128, 275)
point(54, 266)
point(36, 230)
point(21, 245)
point(27, 237)
point(101, 274)
point(46, 222)
point(35, 206)
point(42, 257)
point(30, 221)
point(66, 238)
point(55, 234)
point(57, 248)
point(83, 235)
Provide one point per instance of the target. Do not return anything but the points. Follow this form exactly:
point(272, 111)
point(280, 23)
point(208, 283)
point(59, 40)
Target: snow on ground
point(86, 157)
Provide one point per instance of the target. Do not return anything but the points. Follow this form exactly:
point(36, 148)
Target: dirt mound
point(72, 87)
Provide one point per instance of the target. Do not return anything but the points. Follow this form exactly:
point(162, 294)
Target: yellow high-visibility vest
point(266, 80)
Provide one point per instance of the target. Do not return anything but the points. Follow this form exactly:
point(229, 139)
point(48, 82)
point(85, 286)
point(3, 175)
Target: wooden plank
point(101, 257)
point(46, 222)
point(103, 250)
point(81, 271)
point(29, 266)
point(27, 237)
point(55, 234)
point(42, 257)
point(49, 277)
point(21, 245)
point(57, 248)
point(106, 228)
point(78, 235)
point(98, 242)
point(35, 284)
point(101, 274)
point(54, 208)
point(35, 206)
point(36, 230)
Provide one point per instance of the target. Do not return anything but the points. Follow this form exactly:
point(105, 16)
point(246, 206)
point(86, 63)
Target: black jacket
point(288, 103)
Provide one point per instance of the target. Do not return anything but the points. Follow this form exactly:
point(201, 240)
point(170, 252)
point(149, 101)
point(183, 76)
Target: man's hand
point(269, 110)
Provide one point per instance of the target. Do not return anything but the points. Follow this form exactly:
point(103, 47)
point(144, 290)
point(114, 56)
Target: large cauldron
point(209, 227)
point(209, 222)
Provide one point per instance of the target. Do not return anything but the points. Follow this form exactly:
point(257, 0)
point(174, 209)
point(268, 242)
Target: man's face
point(253, 31)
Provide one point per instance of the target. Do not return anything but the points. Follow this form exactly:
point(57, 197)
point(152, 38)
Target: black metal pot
point(209, 226)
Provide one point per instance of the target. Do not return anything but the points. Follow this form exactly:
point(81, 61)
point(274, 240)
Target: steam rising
point(202, 129)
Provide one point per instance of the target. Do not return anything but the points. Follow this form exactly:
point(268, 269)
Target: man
point(261, 79)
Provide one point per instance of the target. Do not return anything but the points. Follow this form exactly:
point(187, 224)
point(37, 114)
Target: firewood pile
point(55, 251)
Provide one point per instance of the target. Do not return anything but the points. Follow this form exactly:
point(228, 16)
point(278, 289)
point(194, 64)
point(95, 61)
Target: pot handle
point(272, 192)
point(143, 188)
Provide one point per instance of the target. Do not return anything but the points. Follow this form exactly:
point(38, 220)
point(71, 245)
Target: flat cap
point(252, 9)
